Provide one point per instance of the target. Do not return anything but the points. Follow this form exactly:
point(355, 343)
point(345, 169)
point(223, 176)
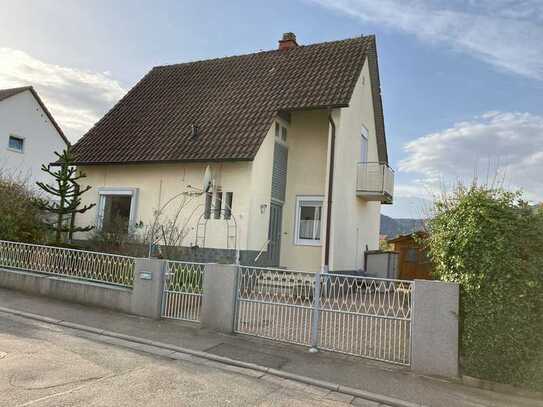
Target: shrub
point(20, 218)
point(117, 238)
point(491, 243)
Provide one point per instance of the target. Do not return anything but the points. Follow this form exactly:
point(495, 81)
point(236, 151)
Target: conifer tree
point(67, 196)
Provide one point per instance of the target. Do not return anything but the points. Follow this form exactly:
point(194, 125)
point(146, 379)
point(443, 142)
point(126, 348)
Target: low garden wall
point(78, 291)
point(143, 299)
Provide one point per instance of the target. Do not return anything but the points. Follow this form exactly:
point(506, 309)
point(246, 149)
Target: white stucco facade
point(354, 221)
point(306, 177)
point(22, 117)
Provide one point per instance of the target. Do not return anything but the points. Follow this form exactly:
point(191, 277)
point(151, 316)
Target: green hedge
point(20, 218)
point(491, 243)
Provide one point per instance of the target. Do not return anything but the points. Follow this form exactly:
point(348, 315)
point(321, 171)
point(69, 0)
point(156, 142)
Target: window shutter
point(279, 175)
point(207, 205)
point(218, 205)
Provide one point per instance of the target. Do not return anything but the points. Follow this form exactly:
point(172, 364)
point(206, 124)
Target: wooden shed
point(413, 261)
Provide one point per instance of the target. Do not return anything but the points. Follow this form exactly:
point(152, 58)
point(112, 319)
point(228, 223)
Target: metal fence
point(361, 316)
point(355, 315)
point(367, 317)
point(182, 297)
point(275, 304)
point(80, 264)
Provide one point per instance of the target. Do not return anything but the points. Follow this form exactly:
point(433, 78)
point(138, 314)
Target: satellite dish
point(206, 185)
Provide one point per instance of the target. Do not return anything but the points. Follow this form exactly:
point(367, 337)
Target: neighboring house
point(29, 136)
point(294, 139)
point(413, 260)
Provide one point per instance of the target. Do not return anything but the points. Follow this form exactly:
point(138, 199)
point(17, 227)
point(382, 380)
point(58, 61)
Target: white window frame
point(307, 242)
point(364, 138)
point(104, 192)
point(22, 150)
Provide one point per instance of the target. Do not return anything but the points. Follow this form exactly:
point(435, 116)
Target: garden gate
point(182, 297)
point(361, 316)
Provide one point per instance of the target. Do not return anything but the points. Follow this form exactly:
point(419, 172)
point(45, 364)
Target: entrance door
point(274, 234)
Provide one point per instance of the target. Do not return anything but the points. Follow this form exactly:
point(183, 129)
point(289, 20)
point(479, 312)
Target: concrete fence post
point(149, 275)
point(434, 328)
point(219, 297)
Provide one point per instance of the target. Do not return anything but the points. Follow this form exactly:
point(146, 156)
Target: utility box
point(381, 264)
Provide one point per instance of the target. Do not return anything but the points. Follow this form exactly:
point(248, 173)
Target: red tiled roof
point(232, 101)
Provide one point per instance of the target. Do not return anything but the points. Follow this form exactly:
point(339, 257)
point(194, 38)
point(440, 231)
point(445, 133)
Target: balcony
point(375, 182)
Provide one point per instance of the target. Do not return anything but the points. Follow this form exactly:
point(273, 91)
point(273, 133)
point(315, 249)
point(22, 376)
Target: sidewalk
point(348, 371)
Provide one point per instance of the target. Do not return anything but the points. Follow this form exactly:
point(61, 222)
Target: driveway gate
point(182, 297)
point(360, 316)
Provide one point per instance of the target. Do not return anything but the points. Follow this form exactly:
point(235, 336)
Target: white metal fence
point(361, 316)
point(80, 264)
point(182, 298)
point(355, 315)
point(366, 317)
point(275, 304)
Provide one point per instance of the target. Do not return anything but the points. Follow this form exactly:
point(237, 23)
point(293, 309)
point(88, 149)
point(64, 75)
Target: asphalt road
point(46, 365)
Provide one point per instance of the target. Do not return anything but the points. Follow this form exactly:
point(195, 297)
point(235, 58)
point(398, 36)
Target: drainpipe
point(330, 188)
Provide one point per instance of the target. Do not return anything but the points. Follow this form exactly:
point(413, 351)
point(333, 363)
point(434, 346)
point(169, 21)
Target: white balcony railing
point(375, 182)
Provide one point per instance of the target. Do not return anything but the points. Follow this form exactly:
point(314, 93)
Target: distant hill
point(393, 227)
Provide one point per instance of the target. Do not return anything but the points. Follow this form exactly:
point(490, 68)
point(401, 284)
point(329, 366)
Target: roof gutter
point(330, 190)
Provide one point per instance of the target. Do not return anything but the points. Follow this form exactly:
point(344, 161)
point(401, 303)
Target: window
point(364, 145)
point(228, 205)
point(284, 134)
point(218, 205)
point(308, 220)
point(116, 209)
point(281, 133)
point(16, 143)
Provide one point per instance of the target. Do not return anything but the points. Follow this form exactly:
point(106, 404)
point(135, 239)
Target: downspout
point(330, 188)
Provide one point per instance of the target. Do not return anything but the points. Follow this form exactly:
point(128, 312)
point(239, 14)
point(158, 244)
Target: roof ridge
point(7, 93)
point(271, 51)
point(232, 99)
point(19, 88)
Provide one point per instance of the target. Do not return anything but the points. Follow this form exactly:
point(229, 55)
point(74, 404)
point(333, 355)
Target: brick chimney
point(288, 41)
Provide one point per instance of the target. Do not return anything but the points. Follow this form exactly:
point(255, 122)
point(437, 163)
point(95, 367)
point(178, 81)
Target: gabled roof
point(421, 234)
point(6, 93)
point(231, 100)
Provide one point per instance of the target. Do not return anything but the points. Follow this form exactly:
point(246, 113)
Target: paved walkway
point(45, 365)
point(349, 371)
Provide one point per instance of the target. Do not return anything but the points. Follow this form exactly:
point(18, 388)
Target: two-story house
point(291, 143)
point(29, 135)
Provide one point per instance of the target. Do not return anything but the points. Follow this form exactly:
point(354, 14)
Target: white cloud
point(494, 147)
point(75, 98)
point(505, 33)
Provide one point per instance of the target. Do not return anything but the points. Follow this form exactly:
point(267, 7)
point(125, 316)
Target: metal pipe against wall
point(330, 190)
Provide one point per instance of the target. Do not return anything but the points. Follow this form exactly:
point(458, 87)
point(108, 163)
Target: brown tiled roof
point(6, 93)
point(231, 100)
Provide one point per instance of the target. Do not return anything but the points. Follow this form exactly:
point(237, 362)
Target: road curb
point(219, 359)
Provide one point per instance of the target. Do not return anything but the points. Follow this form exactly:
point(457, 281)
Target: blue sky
point(462, 81)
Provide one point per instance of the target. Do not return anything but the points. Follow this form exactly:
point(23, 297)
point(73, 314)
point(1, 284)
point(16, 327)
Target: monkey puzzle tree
point(67, 196)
